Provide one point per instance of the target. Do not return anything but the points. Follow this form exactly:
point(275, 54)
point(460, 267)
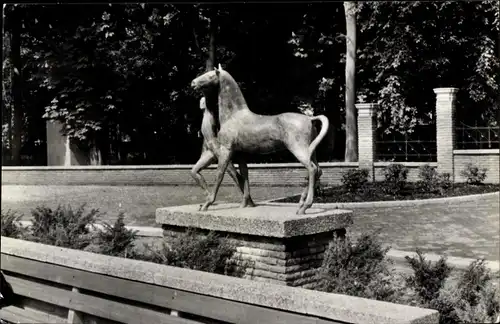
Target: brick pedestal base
point(272, 243)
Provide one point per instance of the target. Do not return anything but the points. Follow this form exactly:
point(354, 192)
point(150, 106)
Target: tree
point(351, 147)
point(13, 25)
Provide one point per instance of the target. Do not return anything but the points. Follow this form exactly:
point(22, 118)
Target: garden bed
point(375, 191)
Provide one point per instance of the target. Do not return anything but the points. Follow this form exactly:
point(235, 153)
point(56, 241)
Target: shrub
point(429, 178)
point(354, 179)
point(427, 278)
point(114, 240)
point(10, 225)
point(192, 250)
point(473, 174)
point(445, 180)
point(395, 178)
point(358, 270)
point(62, 226)
point(470, 298)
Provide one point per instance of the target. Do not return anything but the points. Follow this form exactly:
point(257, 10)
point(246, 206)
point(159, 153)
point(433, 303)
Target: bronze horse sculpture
point(209, 128)
point(244, 132)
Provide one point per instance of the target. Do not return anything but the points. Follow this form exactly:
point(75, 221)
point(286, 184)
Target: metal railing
point(419, 146)
point(476, 137)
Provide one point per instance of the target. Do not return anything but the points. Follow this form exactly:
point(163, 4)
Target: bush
point(473, 174)
point(427, 278)
point(395, 177)
point(195, 251)
point(445, 180)
point(429, 178)
point(10, 225)
point(63, 226)
point(114, 240)
point(354, 179)
point(470, 298)
point(432, 181)
point(360, 270)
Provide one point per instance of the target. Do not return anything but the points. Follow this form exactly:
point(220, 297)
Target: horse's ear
point(220, 67)
point(217, 70)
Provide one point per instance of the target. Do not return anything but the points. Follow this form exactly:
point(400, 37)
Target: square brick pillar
point(445, 129)
point(366, 136)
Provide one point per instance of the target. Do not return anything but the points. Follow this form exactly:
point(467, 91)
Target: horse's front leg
point(224, 158)
point(247, 199)
point(207, 157)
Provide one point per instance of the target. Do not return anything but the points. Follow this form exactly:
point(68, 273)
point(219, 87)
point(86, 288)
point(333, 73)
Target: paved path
point(462, 229)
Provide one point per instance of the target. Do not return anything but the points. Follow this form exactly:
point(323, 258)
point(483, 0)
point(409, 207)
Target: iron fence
point(418, 146)
point(476, 137)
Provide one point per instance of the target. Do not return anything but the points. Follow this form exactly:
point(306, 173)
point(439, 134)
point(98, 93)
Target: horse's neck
point(231, 100)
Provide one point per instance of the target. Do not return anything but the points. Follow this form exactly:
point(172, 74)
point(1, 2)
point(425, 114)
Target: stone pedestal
point(273, 244)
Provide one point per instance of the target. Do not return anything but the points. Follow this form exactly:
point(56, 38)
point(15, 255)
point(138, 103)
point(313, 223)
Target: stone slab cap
point(262, 220)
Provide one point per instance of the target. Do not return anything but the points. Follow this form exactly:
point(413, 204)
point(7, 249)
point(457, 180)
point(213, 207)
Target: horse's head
point(207, 81)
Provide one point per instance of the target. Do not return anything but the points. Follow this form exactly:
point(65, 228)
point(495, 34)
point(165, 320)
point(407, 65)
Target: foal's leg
point(302, 154)
point(207, 157)
point(247, 200)
point(224, 160)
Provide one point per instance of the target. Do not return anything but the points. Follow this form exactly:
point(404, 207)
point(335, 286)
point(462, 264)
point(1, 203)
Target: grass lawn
point(462, 229)
point(137, 202)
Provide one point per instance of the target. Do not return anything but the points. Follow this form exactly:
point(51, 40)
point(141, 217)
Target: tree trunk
point(212, 47)
point(351, 144)
point(17, 99)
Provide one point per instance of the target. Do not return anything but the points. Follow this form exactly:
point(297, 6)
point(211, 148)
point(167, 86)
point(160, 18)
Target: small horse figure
point(242, 131)
point(209, 126)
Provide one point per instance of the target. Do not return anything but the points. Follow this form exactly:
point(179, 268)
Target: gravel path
point(463, 229)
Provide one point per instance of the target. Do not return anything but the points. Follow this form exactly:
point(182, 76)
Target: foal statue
point(242, 131)
point(209, 127)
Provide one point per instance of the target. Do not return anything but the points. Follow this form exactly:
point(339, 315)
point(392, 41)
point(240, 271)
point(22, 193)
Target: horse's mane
point(231, 98)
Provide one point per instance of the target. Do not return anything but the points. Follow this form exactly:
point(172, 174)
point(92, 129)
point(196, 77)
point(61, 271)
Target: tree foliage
point(117, 75)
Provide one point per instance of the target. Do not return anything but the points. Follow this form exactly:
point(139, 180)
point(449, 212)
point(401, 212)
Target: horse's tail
point(322, 133)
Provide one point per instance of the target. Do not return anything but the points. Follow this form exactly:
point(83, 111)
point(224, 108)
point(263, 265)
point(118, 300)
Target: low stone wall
point(488, 159)
point(277, 174)
point(110, 289)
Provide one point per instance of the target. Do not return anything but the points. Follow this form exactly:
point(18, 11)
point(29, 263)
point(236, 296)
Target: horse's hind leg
point(247, 199)
point(303, 196)
point(302, 155)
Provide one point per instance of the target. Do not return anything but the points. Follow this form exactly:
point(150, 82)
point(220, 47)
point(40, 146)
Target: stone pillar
point(366, 136)
point(56, 145)
point(60, 150)
point(272, 243)
point(445, 129)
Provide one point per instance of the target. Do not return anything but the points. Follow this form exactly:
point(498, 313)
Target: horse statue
point(244, 132)
point(209, 127)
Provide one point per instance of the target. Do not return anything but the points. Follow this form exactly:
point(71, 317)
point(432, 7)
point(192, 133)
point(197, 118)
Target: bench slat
point(91, 305)
point(18, 315)
point(192, 303)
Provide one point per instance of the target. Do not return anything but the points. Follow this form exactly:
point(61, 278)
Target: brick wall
point(286, 174)
point(481, 158)
point(289, 174)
